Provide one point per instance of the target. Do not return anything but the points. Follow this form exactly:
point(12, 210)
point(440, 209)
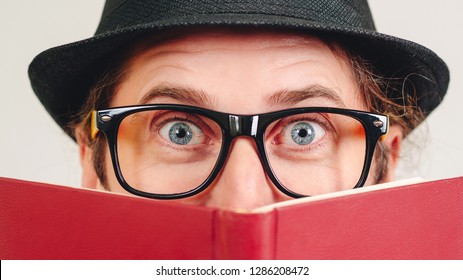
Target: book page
point(364, 189)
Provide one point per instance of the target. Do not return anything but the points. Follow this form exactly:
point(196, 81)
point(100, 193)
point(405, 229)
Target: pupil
point(303, 133)
point(181, 133)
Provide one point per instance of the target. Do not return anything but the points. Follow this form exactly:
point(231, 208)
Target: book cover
point(416, 221)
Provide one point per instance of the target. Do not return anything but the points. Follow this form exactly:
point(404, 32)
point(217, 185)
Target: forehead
point(225, 64)
point(223, 39)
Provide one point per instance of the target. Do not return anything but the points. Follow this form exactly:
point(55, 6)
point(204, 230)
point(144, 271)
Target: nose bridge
point(243, 125)
point(242, 182)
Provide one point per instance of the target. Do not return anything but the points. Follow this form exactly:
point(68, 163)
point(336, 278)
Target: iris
point(180, 134)
point(303, 133)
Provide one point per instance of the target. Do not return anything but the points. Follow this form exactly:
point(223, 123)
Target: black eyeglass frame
point(254, 126)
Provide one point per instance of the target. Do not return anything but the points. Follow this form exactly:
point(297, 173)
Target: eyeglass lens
point(316, 153)
point(170, 152)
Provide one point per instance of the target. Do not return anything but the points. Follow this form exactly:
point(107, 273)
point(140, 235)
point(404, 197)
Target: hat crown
point(123, 14)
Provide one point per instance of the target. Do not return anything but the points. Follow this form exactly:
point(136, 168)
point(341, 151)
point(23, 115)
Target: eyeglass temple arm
point(93, 128)
point(384, 126)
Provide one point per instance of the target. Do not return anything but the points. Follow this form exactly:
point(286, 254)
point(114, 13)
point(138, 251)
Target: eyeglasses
point(174, 151)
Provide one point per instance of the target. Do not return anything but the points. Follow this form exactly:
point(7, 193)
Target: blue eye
point(303, 133)
point(180, 133)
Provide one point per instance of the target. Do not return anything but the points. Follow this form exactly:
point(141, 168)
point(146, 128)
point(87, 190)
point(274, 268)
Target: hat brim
point(61, 76)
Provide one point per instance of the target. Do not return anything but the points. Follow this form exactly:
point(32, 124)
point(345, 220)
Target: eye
point(302, 133)
point(182, 133)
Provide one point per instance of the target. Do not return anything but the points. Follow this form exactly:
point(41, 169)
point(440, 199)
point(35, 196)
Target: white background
point(33, 147)
point(147, 270)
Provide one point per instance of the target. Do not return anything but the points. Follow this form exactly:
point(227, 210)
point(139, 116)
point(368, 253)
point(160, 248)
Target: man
point(238, 105)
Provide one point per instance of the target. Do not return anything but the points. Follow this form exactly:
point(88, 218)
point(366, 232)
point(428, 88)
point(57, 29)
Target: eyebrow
point(281, 98)
point(185, 95)
point(292, 97)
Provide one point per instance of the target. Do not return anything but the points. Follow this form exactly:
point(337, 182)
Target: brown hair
point(390, 96)
point(100, 96)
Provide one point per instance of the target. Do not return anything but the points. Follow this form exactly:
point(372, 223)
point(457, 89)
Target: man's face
point(242, 74)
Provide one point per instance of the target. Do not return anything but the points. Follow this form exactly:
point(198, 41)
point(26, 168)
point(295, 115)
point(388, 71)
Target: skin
point(240, 73)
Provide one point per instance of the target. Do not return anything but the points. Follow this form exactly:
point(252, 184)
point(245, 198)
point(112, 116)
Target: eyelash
point(175, 118)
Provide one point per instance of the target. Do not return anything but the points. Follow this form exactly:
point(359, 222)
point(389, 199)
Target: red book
point(417, 221)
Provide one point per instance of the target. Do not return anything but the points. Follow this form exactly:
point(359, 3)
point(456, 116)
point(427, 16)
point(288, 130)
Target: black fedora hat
point(61, 76)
